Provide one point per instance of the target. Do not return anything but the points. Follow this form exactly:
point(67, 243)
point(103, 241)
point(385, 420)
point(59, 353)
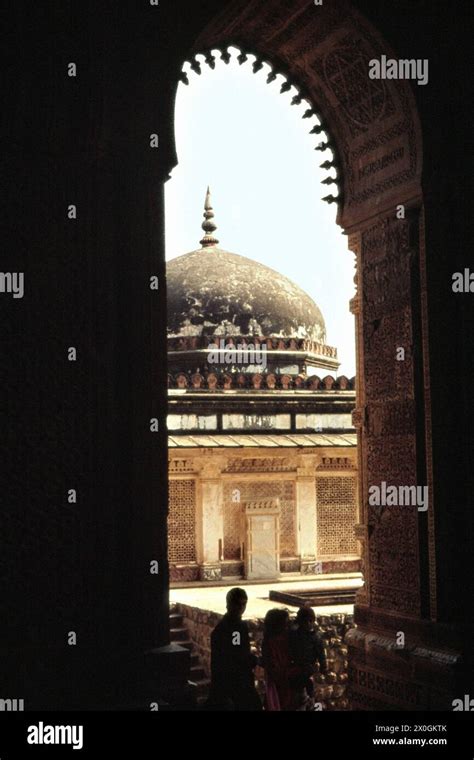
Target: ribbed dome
point(214, 292)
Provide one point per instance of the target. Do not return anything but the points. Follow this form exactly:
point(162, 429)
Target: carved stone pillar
point(398, 659)
point(306, 512)
point(358, 417)
point(210, 523)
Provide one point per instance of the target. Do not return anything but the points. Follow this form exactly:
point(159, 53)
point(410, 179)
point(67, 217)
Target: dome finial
point(208, 224)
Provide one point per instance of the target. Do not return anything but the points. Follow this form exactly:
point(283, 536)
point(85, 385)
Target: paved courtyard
point(212, 598)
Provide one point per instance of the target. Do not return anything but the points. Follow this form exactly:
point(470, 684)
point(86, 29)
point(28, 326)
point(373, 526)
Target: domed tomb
point(214, 294)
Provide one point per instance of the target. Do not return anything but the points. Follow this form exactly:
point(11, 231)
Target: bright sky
point(237, 134)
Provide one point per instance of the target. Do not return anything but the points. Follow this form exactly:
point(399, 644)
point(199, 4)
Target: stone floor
point(213, 598)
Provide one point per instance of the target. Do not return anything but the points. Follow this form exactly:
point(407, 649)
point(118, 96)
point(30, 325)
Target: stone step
point(198, 682)
point(197, 672)
point(201, 685)
point(188, 644)
point(178, 634)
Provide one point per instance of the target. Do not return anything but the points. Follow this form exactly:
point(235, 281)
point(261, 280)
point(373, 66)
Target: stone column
point(210, 520)
point(400, 657)
point(306, 512)
point(358, 416)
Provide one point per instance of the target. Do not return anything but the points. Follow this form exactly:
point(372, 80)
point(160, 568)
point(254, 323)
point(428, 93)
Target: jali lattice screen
point(336, 515)
point(181, 521)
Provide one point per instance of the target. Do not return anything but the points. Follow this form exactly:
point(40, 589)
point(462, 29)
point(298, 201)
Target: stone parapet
point(222, 381)
point(203, 343)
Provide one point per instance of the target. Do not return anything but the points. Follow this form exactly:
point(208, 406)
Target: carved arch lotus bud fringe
point(324, 51)
point(301, 98)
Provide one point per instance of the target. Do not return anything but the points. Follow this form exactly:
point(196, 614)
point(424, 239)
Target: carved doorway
point(262, 542)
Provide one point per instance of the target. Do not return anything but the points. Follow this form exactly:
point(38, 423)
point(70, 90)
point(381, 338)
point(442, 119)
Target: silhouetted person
point(279, 668)
point(306, 648)
point(232, 663)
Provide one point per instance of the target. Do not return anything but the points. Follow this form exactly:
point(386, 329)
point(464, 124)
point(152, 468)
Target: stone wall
point(208, 492)
point(200, 624)
point(330, 688)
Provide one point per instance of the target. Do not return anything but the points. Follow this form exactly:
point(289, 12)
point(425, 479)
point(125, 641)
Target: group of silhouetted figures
point(289, 657)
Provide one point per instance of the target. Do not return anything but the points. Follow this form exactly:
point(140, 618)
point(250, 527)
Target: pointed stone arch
point(324, 52)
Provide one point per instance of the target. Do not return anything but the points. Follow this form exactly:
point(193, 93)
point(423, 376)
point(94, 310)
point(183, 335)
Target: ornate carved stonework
point(345, 69)
point(409, 677)
point(325, 52)
point(384, 337)
point(387, 257)
point(358, 418)
point(275, 464)
point(336, 463)
point(393, 532)
point(186, 573)
point(310, 566)
point(181, 465)
point(397, 693)
point(428, 418)
point(210, 572)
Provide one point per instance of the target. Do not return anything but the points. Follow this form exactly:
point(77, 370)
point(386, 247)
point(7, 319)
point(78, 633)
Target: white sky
point(239, 135)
